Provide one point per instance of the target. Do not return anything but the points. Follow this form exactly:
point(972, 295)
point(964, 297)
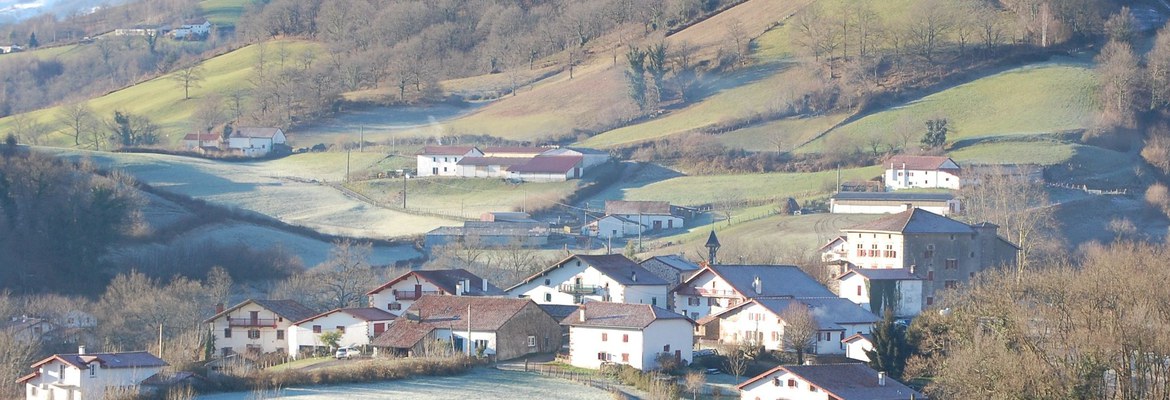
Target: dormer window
point(92, 370)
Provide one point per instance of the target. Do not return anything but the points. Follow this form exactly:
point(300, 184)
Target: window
point(434, 159)
point(972, 254)
point(604, 336)
point(951, 284)
point(653, 301)
point(548, 297)
point(952, 237)
point(692, 301)
point(92, 370)
point(859, 290)
point(930, 275)
point(547, 282)
point(280, 334)
point(394, 306)
point(316, 328)
point(792, 383)
point(603, 356)
point(890, 252)
point(929, 300)
point(775, 336)
point(952, 263)
point(971, 275)
point(711, 301)
point(929, 253)
point(227, 333)
point(860, 250)
point(873, 250)
point(341, 329)
point(625, 357)
point(812, 388)
point(253, 334)
point(666, 349)
point(531, 341)
point(625, 338)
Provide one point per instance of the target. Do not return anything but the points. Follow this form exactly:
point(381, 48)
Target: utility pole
point(361, 137)
point(160, 340)
point(640, 229)
point(347, 166)
point(469, 341)
point(404, 191)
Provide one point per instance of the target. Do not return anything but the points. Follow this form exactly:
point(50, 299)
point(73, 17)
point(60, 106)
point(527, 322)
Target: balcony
point(578, 289)
point(707, 292)
point(414, 295)
point(252, 322)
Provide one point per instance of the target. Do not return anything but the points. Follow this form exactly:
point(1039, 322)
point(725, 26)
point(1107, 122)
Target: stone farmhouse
point(496, 326)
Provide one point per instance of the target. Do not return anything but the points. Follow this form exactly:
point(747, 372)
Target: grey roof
point(445, 280)
point(558, 311)
point(621, 269)
point(622, 207)
point(777, 281)
point(712, 240)
point(915, 220)
point(847, 382)
point(884, 274)
point(288, 309)
point(133, 359)
point(894, 196)
point(619, 315)
point(830, 313)
point(252, 132)
point(363, 313)
point(494, 228)
point(675, 261)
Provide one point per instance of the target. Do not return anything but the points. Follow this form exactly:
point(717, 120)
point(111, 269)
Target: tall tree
point(78, 120)
point(936, 133)
point(1119, 76)
point(1158, 70)
point(188, 78)
point(800, 329)
point(891, 348)
point(636, 75)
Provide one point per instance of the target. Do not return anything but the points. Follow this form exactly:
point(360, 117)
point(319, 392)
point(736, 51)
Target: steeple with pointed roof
point(712, 247)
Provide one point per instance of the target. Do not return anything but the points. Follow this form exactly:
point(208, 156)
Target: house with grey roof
point(944, 252)
point(579, 278)
point(828, 382)
point(631, 334)
point(763, 321)
point(87, 376)
point(500, 327)
point(255, 141)
point(256, 326)
point(892, 202)
point(654, 215)
point(903, 172)
point(399, 293)
point(716, 288)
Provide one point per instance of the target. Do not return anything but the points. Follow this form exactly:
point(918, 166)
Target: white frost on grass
point(481, 383)
point(311, 251)
point(267, 189)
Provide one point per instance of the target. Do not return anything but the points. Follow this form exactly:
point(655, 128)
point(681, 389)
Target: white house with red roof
point(399, 293)
point(255, 141)
point(506, 328)
point(90, 376)
point(193, 141)
point(903, 172)
point(256, 326)
point(631, 334)
point(443, 160)
point(826, 382)
point(579, 278)
point(357, 326)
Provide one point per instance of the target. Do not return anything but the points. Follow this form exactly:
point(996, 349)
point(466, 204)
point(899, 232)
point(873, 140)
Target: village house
point(27, 329)
point(632, 334)
point(716, 288)
point(589, 157)
point(192, 30)
point(547, 169)
point(443, 160)
point(357, 326)
point(760, 322)
point(494, 326)
point(654, 215)
point(533, 234)
point(255, 142)
point(256, 326)
point(193, 141)
point(399, 293)
point(506, 216)
point(904, 172)
point(12, 48)
point(612, 227)
point(672, 268)
point(142, 30)
point(825, 382)
point(878, 289)
point(580, 278)
point(90, 376)
point(857, 345)
point(944, 252)
point(892, 202)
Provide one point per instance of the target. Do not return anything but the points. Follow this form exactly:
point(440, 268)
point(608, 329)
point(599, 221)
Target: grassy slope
point(1047, 97)
point(223, 13)
point(694, 190)
point(162, 100)
point(467, 198)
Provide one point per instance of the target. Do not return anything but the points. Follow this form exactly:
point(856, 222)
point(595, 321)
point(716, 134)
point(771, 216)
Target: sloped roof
point(619, 315)
point(488, 314)
point(201, 136)
point(830, 313)
point(445, 280)
point(364, 313)
point(288, 309)
point(858, 336)
point(513, 149)
point(830, 242)
point(893, 196)
point(504, 228)
point(547, 164)
point(615, 266)
point(915, 220)
point(883, 274)
point(483, 161)
point(675, 261)
point(20, 324)
point(445, 150)
point(558, 311)
point(623, 207)
point(133, 359)
point(712, 240)
point(252, 132)
point(854, 381)
point(919, 162)
point(776, 281)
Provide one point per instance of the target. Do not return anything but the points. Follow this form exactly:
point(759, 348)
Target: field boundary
point(591, 379)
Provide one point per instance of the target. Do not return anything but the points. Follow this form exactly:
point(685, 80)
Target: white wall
point(766, 389)
point(586, 342)
point(616, 228)
point(706, 281)
point(896, 179)
point(357, 332)
point(252, 147)
point(883, 241)
point(572, 269)
point(446, 165)
point(384, 298)
point(740, 326)
point(838, 208)
point(648, 220)
point(268, 341)
point(857, 348)
point(855, 289)
point(90, 387)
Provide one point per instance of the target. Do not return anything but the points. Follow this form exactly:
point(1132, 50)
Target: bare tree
point(15, 357)
point(737, 37)
point(188, 78)
point(694, 383)
point(928, 28)
point(347, 274)
point(1019, 206)
point(737, 359)
point(800, 329)
point(209, 113)
point(1119, 75)
point(1158, 70)
point(78, 120)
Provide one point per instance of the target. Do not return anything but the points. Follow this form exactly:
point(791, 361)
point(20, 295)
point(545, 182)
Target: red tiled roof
point(915, 220)
point(289, 309)
point(487, 314)
point(506, 161)
point(364, 314)
point(919, 162)
point(548, 164)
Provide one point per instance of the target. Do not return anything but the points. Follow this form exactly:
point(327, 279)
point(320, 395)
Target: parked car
point(345, 353)
point(705, 352)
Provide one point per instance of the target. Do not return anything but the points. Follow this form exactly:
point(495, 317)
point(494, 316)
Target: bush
point(364, 371)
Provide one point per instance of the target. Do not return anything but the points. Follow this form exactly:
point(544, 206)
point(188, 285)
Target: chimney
point(484, 282)
point(459, 288)
point(881, 378)
point(634, 276)
point(218, 308)
point(808, 362)
point(81, 350)
point(466, 286)
point(581, 315)
point(758, 285)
